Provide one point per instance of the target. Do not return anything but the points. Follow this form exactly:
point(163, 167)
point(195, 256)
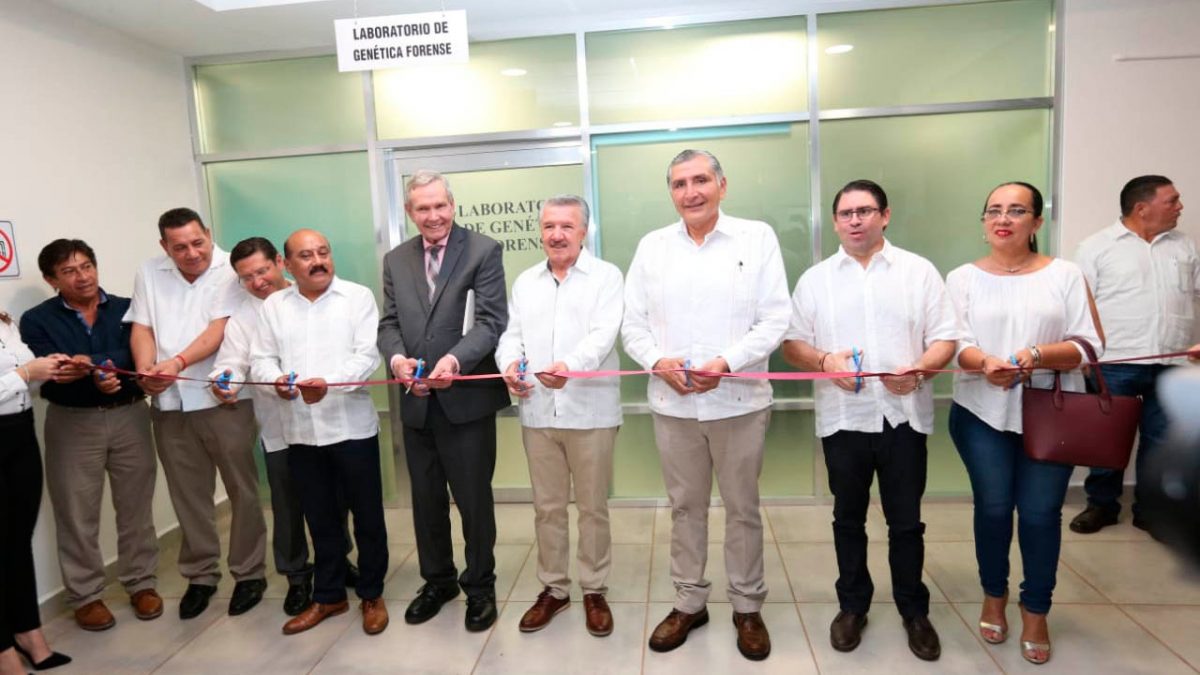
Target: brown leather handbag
point(1069, 427)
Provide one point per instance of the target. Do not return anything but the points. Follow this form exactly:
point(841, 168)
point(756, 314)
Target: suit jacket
point(411, 325)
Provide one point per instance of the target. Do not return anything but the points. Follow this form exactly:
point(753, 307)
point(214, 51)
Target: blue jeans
point(1103, 486)
point(1002, 478)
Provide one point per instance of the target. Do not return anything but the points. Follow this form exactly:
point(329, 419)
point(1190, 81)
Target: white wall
point(94, 144)
point(1128, 118)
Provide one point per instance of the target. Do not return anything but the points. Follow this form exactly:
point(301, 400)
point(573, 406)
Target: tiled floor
point(1123, 605)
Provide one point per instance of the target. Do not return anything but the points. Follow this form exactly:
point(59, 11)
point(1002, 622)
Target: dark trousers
point(320, 472)
point(289, 544)
point(20, 497)
point(898, 455)
point(1003, 478)
point(1103, 486)
point(463, 456)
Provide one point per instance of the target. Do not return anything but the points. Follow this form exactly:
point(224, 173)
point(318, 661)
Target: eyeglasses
point(863, 212)
point(1014, 213)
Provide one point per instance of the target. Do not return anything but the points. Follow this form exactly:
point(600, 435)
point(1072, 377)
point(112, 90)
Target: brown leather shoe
point(95, 616)
point(753, 640)
point(543, 610)
point(375, 616)
point(147, 604)
point(599, 616)
point(846, 630)
point(315, 614)
point(674, 629)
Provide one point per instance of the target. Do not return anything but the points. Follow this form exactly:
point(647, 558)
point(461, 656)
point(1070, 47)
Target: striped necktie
point(433, 265)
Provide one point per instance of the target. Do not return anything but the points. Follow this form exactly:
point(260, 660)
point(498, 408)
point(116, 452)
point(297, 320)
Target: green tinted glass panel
point(278, 104)
point(274, 197)
point(505, 204)
point(787, 458)
point(937, 171)
point(742, 68)
point(508, 85)
point(971, 52)
point(767, 172)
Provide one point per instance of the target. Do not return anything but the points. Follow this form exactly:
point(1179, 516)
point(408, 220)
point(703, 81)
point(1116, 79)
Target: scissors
point(858, 360)
point(223, 381)
point(687, 374)
point(291, 380)
point(1013, 360)
point(416, 374)
point(522, 368)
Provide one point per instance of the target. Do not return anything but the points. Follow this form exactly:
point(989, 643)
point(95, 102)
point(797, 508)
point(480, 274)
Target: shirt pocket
point(1185, 275)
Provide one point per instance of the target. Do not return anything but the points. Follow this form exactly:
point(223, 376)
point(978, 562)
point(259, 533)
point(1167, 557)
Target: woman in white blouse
point(20, 497)
point(1017, 308)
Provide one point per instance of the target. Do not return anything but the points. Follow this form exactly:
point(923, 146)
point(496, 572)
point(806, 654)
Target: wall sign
point(10, 267)
point(379, 42)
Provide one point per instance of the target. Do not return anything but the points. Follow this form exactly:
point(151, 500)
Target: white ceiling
point(189, 28)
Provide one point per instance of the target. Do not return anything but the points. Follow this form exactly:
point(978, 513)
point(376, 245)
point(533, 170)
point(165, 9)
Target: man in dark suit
point(445, 305)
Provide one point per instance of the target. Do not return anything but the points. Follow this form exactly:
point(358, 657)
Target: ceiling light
point(513, 72)
point(562, 124)
point(838, 49)
point(226, 5)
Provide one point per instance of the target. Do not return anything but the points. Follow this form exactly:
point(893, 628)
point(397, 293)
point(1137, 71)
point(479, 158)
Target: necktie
point(433, 265)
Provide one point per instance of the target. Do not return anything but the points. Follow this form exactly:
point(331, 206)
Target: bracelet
point(1037, 355)
point(181, 360)
point(920, 380)
point(821, 361)
point(28, 377)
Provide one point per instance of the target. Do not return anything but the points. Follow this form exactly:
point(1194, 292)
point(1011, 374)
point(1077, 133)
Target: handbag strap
point(1092, 359)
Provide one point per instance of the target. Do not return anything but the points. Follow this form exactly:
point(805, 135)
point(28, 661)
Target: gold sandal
point(1030, 649)
point(990, 631)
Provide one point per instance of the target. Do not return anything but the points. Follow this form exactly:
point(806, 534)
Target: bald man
point(322, 329)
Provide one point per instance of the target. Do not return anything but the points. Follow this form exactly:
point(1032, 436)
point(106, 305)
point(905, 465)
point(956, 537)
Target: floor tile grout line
point(649, 585)
point(812, 651)
point(187, 642)
point(330, 647)
point(492, 630)
point(973, 630)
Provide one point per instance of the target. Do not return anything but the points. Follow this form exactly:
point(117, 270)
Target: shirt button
point(429, 338)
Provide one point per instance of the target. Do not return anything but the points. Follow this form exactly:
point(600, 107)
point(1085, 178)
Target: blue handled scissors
point(522, 368)
point(1013, 360)
point(223, 381)
point(687, 375)
point(291, 380)
point(858, 360)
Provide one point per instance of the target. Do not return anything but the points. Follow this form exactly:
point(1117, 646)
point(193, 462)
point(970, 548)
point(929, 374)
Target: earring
point(985, 238)
point(1032, 239)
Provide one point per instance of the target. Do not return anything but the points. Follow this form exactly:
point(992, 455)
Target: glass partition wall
point(936, 103)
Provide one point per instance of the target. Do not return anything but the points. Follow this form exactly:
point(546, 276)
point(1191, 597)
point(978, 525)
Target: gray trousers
point(83, 445)
point(193, 447)
point(557, 459)
point(690, 451)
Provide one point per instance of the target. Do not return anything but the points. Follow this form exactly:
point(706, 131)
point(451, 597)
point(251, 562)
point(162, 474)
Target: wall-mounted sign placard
point(378, 42)
point(9, 265)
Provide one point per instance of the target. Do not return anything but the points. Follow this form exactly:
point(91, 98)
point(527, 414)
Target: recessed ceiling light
point(839, 49)
point(513, 72)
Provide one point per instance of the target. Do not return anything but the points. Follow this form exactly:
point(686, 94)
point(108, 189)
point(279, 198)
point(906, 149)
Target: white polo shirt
point(575, 321)
point(726, 297)
point(893, 310)
point(333, 338)
point(234, 355)
point(178, 311)
point(1145, 291)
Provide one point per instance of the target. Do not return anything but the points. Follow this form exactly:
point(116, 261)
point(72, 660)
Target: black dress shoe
point(195, 600)
point(1092, 519)
point(298, 598)
point(922, 638)
point(846, 630)
point(429, 602)
point(246, 594)
point(351, 574)
point(53, 661)
point(481, 612)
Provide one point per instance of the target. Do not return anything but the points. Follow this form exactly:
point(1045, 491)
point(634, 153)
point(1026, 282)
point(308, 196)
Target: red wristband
point(181, 360)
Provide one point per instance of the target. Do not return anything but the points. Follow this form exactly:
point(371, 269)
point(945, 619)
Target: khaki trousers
point(690, 451)
point(558, 457)
point(193, 447)
point(82, 446)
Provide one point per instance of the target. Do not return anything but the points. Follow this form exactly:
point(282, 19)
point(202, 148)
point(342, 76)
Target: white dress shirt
point(726, 297)
point(333, 338)
point(14, 391)
point(234, 355)
point(1002, 315)
point(893, 311)
point(179, 311)
point(574, 321)
point(1144, 291)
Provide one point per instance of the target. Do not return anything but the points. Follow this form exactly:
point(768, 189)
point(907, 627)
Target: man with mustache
point(97, 424)
point(318, 331)
point(259, 268)
point(708, 292)
point(1145, 275)
point(444, 304)
point(181, 302)
point(564, 314)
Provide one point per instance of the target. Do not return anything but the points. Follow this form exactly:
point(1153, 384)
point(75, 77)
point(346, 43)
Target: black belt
point(14, 419)
point(107, 405)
